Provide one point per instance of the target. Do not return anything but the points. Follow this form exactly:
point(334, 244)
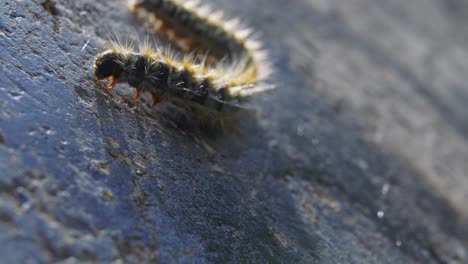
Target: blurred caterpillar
point(235, 68)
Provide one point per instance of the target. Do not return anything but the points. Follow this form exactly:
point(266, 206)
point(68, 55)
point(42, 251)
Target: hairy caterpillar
point(232, 68)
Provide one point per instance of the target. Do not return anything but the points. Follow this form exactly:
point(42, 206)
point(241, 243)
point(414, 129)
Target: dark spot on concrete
point(2, 138)
point(6, 215)
point(49, 7)
point(106, 195)
point(101, 166)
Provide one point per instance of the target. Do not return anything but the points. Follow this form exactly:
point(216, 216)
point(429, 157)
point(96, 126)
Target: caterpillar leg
point(154, 99)
point(137, 95)
point(113, 82)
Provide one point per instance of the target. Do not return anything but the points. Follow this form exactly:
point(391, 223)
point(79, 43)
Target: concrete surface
point(359, 156)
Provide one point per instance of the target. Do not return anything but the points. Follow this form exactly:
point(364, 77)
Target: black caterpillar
point(234, 69)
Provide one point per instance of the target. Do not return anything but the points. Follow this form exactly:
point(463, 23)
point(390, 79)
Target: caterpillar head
point(108, 64)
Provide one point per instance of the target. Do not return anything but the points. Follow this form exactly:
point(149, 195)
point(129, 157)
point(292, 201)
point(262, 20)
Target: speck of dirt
point(106, 195)
point(50, 7)
point(2, 139)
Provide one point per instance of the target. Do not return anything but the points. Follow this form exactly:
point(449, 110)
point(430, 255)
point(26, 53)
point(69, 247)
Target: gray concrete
point(359, 156)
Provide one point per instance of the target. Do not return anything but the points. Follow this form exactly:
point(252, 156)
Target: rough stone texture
point(360, 156)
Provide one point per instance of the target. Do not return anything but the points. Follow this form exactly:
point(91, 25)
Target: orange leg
point(154, 100)
point(112, 84)
point(138, 95)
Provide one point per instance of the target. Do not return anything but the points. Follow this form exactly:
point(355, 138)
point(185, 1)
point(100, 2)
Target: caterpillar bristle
point(146, 49)
point(191, 4)
point(203, 10)
point(216, 17)
point(232, 24)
